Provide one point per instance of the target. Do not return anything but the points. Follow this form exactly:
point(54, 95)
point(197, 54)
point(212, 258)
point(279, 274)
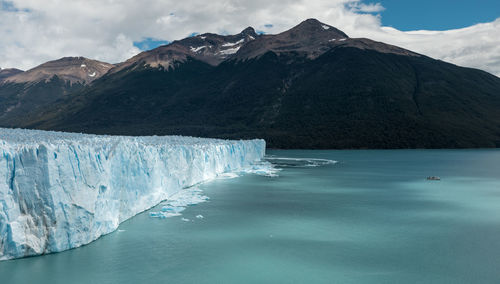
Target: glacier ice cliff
point(62, 190)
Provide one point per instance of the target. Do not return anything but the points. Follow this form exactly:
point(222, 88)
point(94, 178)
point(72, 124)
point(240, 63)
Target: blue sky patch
point(10, 7)
point(437, 15)
point(149, 43)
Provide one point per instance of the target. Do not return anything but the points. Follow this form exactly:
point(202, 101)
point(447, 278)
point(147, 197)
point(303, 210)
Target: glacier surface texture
point(62, 190)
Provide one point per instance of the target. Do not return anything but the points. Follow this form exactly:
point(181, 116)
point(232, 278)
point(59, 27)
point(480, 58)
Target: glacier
point(62, 190)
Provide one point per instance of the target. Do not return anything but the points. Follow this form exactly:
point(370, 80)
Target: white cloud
point(476, 46)
point(34, 31)
point(366, 8)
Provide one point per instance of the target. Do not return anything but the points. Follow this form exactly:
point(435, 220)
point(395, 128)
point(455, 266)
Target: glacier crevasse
point(62, 190)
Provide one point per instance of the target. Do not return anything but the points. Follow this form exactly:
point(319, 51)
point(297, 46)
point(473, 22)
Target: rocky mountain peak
point(312, 28)
point(8, 72)
point(249, 32)
point(209, 48)
point(72, 69)
point(311, 39)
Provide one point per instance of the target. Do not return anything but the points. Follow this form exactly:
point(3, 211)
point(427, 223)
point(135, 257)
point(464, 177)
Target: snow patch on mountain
point(230, 50)
point(233, 43)
point(196, 49)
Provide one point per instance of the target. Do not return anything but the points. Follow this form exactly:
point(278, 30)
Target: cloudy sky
point(33, 31)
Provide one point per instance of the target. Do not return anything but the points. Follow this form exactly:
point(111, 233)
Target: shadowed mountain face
point(309, 87)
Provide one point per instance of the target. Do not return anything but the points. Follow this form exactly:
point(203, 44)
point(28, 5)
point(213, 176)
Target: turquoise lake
point(370, 218)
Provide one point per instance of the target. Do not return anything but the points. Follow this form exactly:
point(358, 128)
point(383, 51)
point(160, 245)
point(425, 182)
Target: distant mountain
point(311, 39)
point(78, 70)
point(209, 48)
point(5, 73)
point(309, 87)
point(38, 88)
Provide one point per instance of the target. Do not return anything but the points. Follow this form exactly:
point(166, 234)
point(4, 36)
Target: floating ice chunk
point(262, 168)
point(284, 162)
point(185, 220)
point(228, 175)
point(178, 203)
point(155, 214)
point(163, 215)
point(199, 216)
point(173, 209)
point(189, 196)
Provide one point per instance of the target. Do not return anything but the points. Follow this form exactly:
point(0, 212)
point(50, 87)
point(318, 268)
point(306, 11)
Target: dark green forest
point(346, 98)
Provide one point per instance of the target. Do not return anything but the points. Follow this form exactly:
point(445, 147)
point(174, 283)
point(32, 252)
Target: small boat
point(433, 178)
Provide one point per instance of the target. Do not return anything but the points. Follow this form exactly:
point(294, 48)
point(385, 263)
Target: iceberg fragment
point(178, 202)
point(62, 190)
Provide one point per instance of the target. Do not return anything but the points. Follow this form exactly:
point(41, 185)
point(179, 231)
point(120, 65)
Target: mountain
point(208, 48)
point(78, 70)
point(311, 39)
point(308, 87)
point(5, 73)
point(34, 90)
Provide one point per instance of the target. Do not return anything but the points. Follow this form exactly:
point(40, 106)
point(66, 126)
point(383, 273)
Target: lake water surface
point(370, 218)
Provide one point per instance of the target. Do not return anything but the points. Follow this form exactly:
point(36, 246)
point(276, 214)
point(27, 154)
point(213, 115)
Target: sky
point(441, 15)
point(463, 32)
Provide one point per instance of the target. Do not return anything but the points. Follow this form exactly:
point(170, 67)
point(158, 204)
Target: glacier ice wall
point(62, 190)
